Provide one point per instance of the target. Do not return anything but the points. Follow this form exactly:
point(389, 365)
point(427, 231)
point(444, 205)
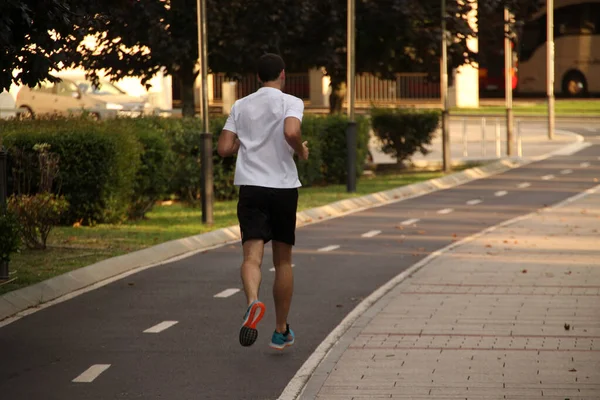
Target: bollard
point(498, 145)
point(207, 178)
point(351, 160)
point(4, 275)
point(483, 149)
point(465, 140)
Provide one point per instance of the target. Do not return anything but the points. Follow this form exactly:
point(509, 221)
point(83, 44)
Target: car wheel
point(25, 113)
point(574, 84)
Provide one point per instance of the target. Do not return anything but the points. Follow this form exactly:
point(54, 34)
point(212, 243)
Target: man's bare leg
point(283, 287)
point(251, 275)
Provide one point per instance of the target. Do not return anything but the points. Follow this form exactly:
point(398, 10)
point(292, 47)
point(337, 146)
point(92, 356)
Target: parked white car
point(74, 94)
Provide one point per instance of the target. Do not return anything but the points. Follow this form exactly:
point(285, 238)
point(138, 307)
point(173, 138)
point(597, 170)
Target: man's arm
point(229, 144)
point(293, 135)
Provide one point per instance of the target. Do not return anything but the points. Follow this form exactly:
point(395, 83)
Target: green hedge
point(97, 164)
point(403, 132)
point(326, 136)
point(116, 169)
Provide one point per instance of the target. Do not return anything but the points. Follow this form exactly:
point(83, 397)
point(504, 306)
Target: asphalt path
point(94, 345)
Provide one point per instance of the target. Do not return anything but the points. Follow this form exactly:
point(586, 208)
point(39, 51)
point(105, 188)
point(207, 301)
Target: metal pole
point(351, 79)
point(510, 145)
point(444, 95)
point(465, 140)
point(550, 66)
point(498, 145)
point(4, 274)
point(519, 140)
point(207, 178)
point(483, 138)
point(207, 146)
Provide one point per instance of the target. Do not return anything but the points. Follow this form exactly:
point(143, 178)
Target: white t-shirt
point(265, 158)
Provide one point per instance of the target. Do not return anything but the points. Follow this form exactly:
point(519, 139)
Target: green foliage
point(10, 240)
point(37, 215)
point(326, 136)
point(98, 164)
point(404, 132)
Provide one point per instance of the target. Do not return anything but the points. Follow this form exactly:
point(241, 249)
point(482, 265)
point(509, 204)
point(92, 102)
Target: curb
point(108, 270)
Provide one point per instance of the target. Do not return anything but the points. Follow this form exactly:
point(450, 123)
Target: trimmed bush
point(326, 136)
point(403, 132)
point(97, 165)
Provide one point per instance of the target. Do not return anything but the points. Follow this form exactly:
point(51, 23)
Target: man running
point(264, 130)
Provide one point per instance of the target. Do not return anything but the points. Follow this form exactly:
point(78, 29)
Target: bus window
point(534, 35)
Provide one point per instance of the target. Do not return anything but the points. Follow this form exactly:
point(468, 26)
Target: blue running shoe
point(248, 331)
point(280, 341)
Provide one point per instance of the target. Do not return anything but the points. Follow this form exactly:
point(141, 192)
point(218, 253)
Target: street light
point(351, 130)
point(550, 65)
point(444, 94)
point(207, 147)
point(510, 145)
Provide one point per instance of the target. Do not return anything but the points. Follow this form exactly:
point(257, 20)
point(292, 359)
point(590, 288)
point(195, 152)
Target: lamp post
point(550, 65)
point(444, 94)
point(351, 131)
point(206, 143)
point(510, 142)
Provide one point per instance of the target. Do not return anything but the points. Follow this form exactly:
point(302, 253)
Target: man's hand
point(303, 155)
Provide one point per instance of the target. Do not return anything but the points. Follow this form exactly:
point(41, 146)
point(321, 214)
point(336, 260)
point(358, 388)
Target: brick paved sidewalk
point(514, 314)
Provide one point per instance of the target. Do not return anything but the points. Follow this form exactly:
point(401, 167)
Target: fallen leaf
point(400, 227)
point(567, 327)
point(131, 283)
point(77, 224)
point(421, 249)
point(492, 254)
point(488, 245)
point(454, 235)
point(572, 370)
point(516, 242)
point(568, 273)
point(400, 241)
point(339, 305)
point(506, 241)
point(415, 254)
point(524, 271)
point(421, 232)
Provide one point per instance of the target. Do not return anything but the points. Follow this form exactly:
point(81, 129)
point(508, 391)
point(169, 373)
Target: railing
point(295, 84)
point(408, 86)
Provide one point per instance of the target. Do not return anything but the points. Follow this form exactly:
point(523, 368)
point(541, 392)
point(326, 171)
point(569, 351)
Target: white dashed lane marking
point(91, 373)
point(566, 171)
point(584, 164)
point(163, 326)
point(547, 177)
point(445, 211)
point(474, 202)
point(523, 185)
point(409, 221)
point(226, 293)
point(371, 234)
point(329, 248)
point(501, 193)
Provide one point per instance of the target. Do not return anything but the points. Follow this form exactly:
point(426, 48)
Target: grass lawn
point(75, 247)
point(562, 108)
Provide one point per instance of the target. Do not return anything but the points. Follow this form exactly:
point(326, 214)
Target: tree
point(33, 38)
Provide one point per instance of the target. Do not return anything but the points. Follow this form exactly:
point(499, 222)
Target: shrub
point(404, 132)
point(331, 153)
point(37, 214)
point(10, 240)
point(98, 163)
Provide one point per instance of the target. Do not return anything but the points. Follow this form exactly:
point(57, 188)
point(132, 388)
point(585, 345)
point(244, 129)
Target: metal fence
point(295, 84)
point(410, 86)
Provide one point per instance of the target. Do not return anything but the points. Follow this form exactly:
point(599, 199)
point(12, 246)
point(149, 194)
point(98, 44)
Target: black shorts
point(268, 214)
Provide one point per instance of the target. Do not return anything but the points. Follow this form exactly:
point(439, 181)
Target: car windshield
point(105, 88)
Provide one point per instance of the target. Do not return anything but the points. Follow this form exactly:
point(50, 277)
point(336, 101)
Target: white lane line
point(226, 293)
point(584, 164)
point(501, 193)
point(547, 177)
point(410, 221)
point(370, 234)
point(273, 269)
point(474, 202)
point(329, 248)
point(445, 211)
point(163, 326)
point(590, 129)
point(523, 185)
point(566, 171)
point(91, 373)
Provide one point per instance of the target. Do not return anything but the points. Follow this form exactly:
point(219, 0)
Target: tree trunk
point(336, 98)
point(187, 78)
